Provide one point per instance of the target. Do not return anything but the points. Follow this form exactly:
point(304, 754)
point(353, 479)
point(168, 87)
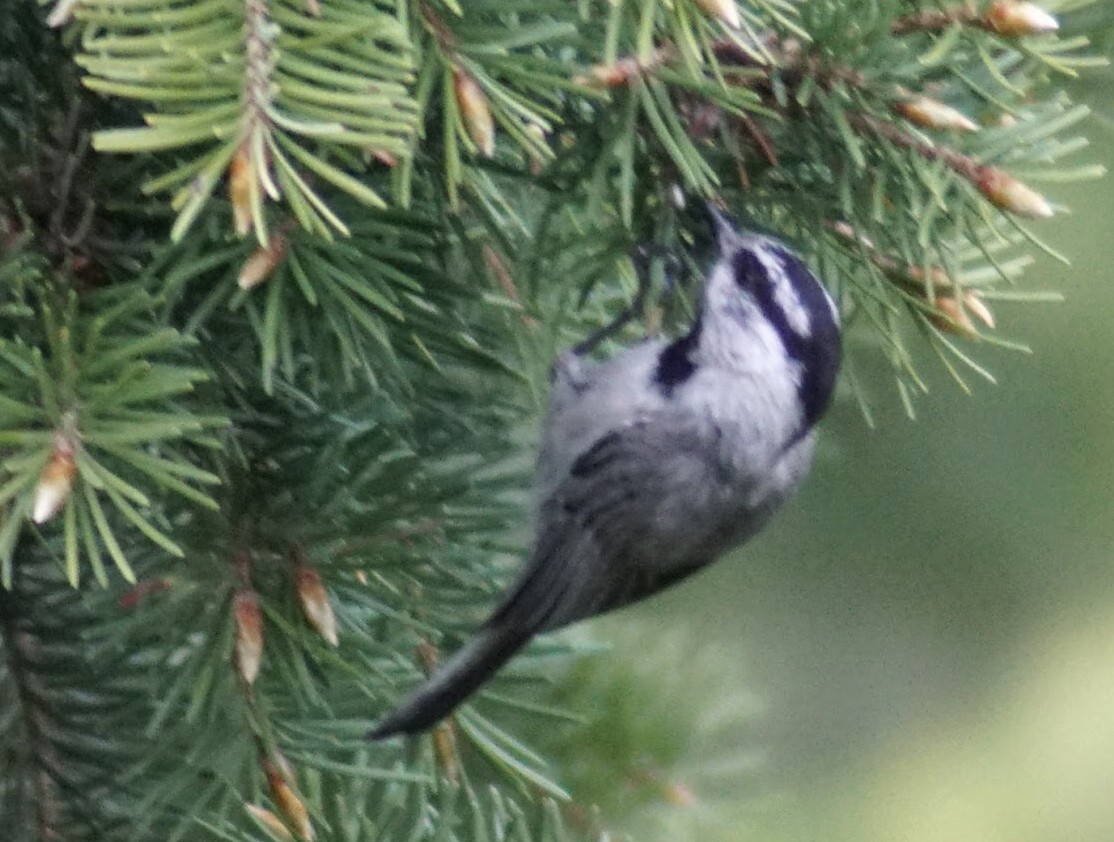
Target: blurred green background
point(921, 647)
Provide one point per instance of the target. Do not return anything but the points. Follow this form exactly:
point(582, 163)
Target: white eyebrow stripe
point(785, 296)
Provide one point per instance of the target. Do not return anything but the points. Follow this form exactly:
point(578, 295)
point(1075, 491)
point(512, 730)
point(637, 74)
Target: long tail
point(453, 682)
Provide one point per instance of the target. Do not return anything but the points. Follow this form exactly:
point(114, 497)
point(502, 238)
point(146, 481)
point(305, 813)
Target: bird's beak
point(727, 232)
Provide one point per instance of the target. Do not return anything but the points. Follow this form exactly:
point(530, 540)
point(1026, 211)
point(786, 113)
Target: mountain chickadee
point(655, 462)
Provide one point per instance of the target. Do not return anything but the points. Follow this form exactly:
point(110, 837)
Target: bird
point(655, 462)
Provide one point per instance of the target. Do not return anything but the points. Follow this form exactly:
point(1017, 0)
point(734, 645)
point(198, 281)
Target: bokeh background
point(921, 647)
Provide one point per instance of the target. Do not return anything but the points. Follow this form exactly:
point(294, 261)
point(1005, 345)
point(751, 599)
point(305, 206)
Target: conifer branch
point(44, 767)
point(275, 355)
point(1009, 18)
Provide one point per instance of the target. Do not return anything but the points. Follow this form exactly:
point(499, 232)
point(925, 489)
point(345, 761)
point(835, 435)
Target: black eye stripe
point(751, 274)
point(818, 352)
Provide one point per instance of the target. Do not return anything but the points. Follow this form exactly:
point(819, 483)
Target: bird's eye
point(749, 269)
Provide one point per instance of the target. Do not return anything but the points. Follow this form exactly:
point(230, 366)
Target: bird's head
point(758, 277)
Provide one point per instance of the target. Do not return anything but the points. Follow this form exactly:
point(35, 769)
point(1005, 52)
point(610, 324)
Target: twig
point(503, 277)
point(935, 20)
point(965, 165)
point(21, 646)
point(444, 732)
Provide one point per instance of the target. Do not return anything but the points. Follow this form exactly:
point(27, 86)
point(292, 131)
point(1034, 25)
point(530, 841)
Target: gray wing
point(607, 536)
point(604, 538)
point(584, 562)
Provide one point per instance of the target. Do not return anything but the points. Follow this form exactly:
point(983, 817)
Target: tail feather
point(453, 682)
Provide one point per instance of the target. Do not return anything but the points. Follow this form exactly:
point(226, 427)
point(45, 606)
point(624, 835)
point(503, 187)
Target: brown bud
point(536, 162)
point(249, 634)
point(262, 262)
point(289, 803)
point(444, 733)
point(848, 232)
point(950, 317)
point(62, 13)
point(724, 10)
point(55, 481)
point(474, 111)
point(977, 307)
point(133, 596)
point(444, 748)
point(284, 765)
point(1009, 194)
point(935, 115)
point(935, 276)
point(611, 75)
point(1014, 18)
point(239, 189)
point(315, 602)
point(271, 823)
point(387, 159)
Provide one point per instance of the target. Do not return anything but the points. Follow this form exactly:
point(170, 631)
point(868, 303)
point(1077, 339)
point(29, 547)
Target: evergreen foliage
point(280, 281)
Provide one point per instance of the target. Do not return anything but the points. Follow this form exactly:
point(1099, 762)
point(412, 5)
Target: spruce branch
point(491, 75)
point(1001, 189)
point(287, 711)
point(86, 397)
point(1009, 18)
point(69, 702)
point(810, 95)
point(277, 99)
point(384, 220)
point(21, 646)
point(384, 298)
point(696, 83)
